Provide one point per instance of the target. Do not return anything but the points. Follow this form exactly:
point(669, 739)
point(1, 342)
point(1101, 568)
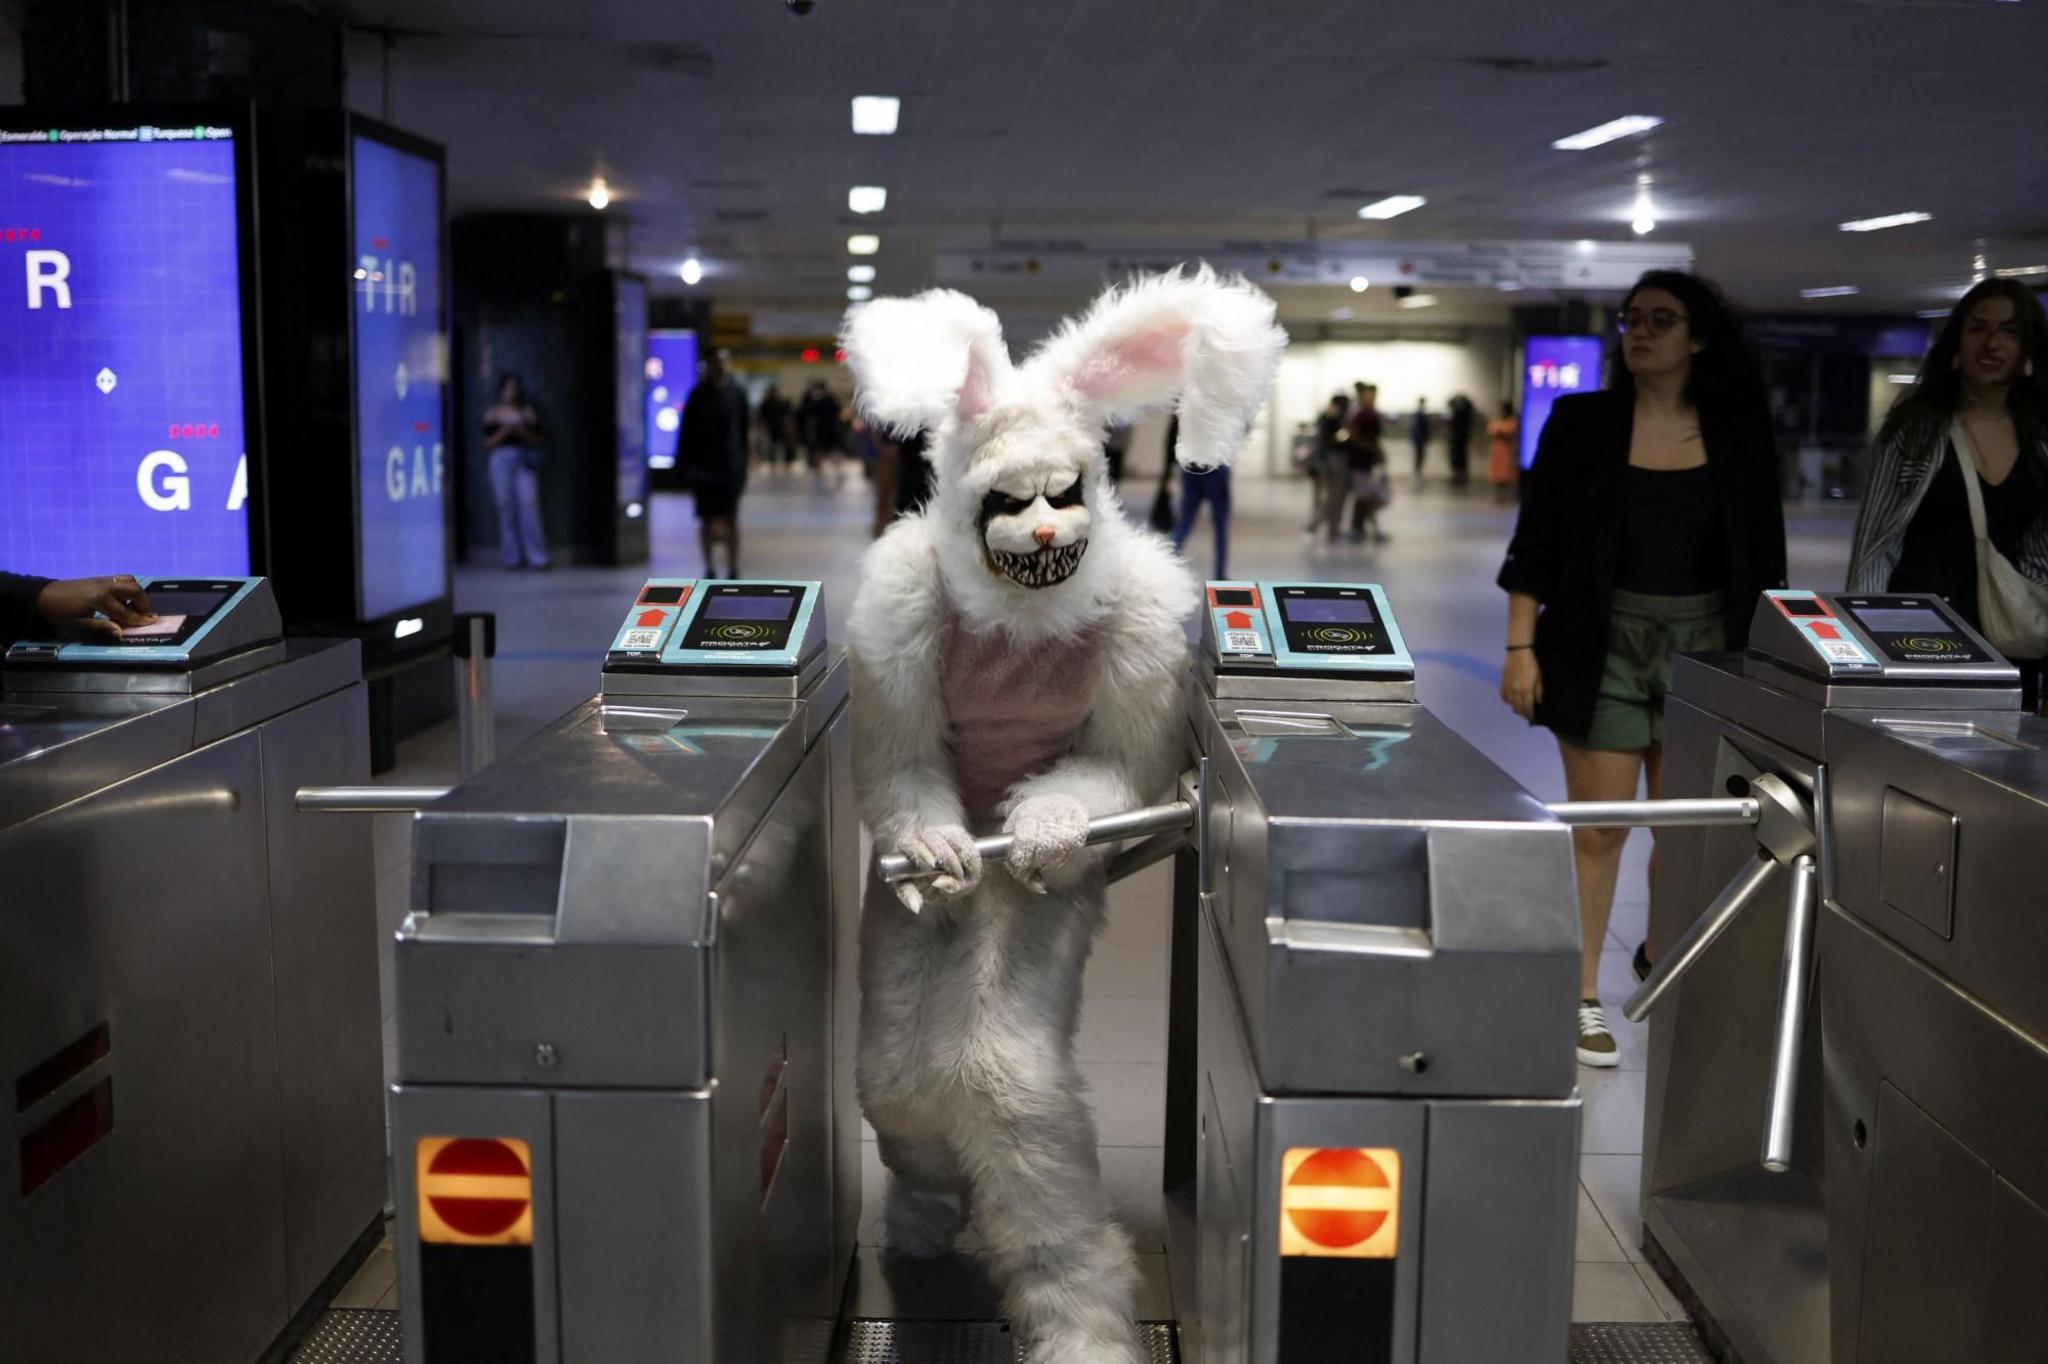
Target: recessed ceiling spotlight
point(1359, 284)
point(867, 198)
point(859, 293)
point(1830, 291)
point(863, 244)
point(1626, 126)
point(1888, 220)
point(692, 271)
point(1416, 301)
point(875, 115)
point(1643, 226)
point(600, 193)
point(1393, 206)
point(860, 274)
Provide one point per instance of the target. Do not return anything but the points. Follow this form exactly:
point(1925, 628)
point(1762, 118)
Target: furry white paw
point(921, 1223)
point(947, 848)
point(1045, 831)
point(1080, 1347)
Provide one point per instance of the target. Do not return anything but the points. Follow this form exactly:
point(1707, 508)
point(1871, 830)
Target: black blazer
point(1567, 543)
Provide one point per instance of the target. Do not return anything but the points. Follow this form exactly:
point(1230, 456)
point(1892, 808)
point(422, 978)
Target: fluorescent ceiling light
point(600, 193)
point(692, 270)
point(1888, 220)
point(1934, 312)
point(1626, 126)
point(860, 274)
point(1900, 378)
point(863, 244)
point(1393, 206)
point(1830, 291)
point(1359, 284)
point(2021, 271)
point(1417, 301)
point(859, 293)
point(867, 198)
point(875, 114)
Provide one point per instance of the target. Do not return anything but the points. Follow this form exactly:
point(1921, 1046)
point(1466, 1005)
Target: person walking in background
point(512, 435)
point(1366, 463)
point(1418, 435)
point(1330, 468)
point(1650, 523)
point(1458, 431)
point(1503, 436)
point(773, 416)
point(711, 450)
point(1960, 468)
point(1212, 487)
point(818, 422)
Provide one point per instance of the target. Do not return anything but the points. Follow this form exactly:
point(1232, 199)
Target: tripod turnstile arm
point(1175, 817)
point(1733, 899)
point(1656, 814)
point(366, 800)
point(1795, 991)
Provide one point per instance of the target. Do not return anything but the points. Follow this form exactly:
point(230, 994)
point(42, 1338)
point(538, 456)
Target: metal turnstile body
point(194, 1153)
point(1372, 1126)
point(1916, 1183)
point(624, 999)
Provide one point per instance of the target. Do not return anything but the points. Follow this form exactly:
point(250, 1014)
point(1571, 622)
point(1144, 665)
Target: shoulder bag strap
point(1966, 458)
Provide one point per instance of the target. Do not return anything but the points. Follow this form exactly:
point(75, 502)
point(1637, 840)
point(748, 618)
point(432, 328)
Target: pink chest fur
point(1012, 709)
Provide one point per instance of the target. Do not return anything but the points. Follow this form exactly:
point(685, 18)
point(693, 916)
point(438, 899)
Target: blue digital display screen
point(1553, 366)
point(1328, 610)
point(630, 340)
point(671, 373)
point(401, 367)
point(122, 420)
point(749, 608)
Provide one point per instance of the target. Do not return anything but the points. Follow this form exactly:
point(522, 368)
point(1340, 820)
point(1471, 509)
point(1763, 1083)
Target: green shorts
point(1643, 634)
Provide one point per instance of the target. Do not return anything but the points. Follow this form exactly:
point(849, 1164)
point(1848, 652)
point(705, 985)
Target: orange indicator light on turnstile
point(475, 1191)
point(1343, 1201)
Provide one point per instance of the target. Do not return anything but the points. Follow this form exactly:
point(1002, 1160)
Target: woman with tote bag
point(1957, 503)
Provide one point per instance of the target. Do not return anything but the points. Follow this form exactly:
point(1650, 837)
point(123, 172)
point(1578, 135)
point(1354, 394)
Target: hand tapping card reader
point(1892, 650)
point(692, 637)
point(207, 631)
point(1300, 640)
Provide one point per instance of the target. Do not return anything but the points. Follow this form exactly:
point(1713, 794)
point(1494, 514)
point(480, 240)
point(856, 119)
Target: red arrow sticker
point(1236, 620)
point(650, 618)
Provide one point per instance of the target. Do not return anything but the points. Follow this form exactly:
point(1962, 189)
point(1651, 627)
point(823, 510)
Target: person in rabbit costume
point(1019, 663)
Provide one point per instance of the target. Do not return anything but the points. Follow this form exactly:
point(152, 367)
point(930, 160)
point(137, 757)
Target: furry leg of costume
point(1018, 661)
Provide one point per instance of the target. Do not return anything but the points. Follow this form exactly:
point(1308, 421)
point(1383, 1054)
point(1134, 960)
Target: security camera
point(800, 8)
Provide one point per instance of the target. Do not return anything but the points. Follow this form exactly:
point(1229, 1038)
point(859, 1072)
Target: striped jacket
point(1902, 466)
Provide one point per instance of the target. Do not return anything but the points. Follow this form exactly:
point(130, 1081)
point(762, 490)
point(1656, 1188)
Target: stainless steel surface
point(1654, 814)
point(1273, 687)
point(676, 682)
point(1989, 695)
point(156, 882)
point(366, 800)
point(1683, 955)
point(1173, 817)
point(147, 681)
point(965, 1342)
point(1795, 989)
point(475, 709)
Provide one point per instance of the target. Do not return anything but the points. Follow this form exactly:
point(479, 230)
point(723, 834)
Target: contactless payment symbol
point(1340, 1201)
point(475, 1191)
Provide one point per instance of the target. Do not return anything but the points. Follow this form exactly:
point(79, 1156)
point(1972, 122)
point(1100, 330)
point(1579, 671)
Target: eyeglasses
point(1655, 322)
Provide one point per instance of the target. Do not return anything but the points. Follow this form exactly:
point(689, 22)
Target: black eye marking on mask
point(1069, 496)
point(1001, 504)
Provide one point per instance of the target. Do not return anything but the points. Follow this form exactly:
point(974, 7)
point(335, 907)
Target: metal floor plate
point(1608, 1342)
point(352, 1335)
point(964, 1342)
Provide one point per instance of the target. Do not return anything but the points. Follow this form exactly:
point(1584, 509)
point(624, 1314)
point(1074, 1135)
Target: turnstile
point(623, 1126)
point(1372, 1126)
point(188, 985)
point(1897, 1213)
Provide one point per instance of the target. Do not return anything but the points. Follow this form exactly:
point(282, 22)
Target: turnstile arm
point(1175, 817)
point(1656, 814)
point(1733, 899)
point(366, 800)
point(1795, 990)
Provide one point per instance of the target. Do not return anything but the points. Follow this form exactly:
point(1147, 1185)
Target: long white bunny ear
point(1210, 342)
point(917, 361)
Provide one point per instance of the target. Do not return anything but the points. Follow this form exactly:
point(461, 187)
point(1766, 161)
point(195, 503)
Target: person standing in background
point(1458, 428)
point(512, 435)
point(774, 418)
point(1418, 435)
point(1331, 469)
point(818, 422)
point(1366, 461)
point(711, 450)
point(1963, 457)
point(1502, 436)
point(1650, 524)
point(1212, 487)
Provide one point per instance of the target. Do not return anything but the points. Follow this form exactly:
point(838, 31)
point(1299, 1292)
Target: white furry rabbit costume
point(1019, 664)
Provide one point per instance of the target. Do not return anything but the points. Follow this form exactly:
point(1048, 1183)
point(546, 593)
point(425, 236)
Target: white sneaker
point(1596, 1044)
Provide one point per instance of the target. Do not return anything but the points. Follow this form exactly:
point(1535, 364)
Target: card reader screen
point(1328, 610)
point(749, 608)
point(1883, 621)
point(184, 602)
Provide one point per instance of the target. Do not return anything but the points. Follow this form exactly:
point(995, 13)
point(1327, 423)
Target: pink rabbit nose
point(1044, 535)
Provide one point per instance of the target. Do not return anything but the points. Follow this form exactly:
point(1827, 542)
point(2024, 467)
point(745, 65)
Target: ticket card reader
point(681, 634)
point(1865, 647)
point(1372, 1128)
point(207, 630)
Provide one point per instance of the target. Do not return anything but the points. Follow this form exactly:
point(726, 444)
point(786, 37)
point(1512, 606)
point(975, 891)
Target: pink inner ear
point(1143, 357)
point(976, 395)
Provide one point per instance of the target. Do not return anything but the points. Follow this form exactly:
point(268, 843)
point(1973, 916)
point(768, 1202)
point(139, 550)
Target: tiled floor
point(1438, 567)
